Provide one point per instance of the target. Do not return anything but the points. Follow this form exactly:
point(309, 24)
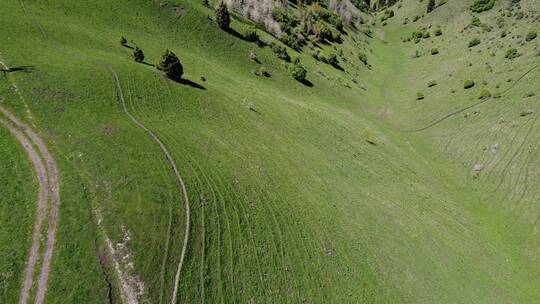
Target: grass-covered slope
point(298, 193)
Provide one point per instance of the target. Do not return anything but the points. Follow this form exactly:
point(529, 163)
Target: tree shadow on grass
point(189, 83)
point(22, 68)
point(150, 64)
point(127, 46)
point(236, 34)
point(306, 82)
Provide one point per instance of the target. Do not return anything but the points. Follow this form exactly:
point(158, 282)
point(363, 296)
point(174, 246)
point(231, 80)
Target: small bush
point(332, 60)
point(530, 36)
point(432, 83)
point(437, 32)
point(251, 34)
point(512, 54)
point(123, 41)
point(434, 51)
point(430, 6)
point(281, 52)
point(253, 56)
point(262, 72)
point(474, 42)
point(293, 41)
point(476, 21)
point(420, 96)
point(298, 71)
point(138, 55)
point(468, 84)
point(484, 94)
point(425, 35)
point(482, 5)
point(363, 58)
point(387, 14)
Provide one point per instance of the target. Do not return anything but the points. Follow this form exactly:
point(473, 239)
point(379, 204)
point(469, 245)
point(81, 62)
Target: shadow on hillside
point(306, 82)
point(236, 34)
point(22, 68)
point(146, 63)
point(127, 46)
point(189, 83)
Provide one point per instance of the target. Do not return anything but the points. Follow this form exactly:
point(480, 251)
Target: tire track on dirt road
point(41, 176)
point(172, 163)
point(54, 195)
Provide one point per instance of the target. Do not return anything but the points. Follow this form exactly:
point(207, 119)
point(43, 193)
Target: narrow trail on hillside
point(54, 195)
point(172, 163)
point(446, 116)
point(43, 182)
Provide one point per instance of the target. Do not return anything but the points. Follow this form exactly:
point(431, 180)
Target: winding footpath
point(445, 117)
point(180, 181)
point(49, 190)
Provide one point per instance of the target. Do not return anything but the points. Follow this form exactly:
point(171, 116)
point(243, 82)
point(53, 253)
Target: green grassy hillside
point(315, 192)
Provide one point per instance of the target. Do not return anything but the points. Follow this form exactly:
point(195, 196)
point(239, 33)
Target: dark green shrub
point(417, 34)
point(332, 60)
point(138, 55)
point(361, 5)
point(420, 96)
point(474, 42)
point(430, 6)
point(298, 71)
point(484, 94)
point(437, 32)
point(262, 72)
point(476, 21)
point(468, 84)
point(251, 34)
point(281, 52)
point(425, 35)
point(363, 58)
point(171, 65)
point(434, 51)
point(293, 41)
point(482, 5)
point(432, 83)
point(387, 14)
point(512, 54)
point(530, 36)
point(337, 22)
point(223, 18)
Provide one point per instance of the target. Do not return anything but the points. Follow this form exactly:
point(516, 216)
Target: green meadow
point(347, 188)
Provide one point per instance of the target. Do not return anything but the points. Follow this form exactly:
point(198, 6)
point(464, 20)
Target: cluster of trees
point(313, 23)
point(169, 62)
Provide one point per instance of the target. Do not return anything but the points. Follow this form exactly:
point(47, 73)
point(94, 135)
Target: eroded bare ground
point(49, 191)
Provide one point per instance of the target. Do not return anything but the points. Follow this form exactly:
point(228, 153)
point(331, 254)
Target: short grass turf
point(315, 196)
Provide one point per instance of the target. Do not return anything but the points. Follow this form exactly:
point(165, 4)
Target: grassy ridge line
point(176, 172)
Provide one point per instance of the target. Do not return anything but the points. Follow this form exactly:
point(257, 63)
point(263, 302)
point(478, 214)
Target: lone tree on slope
point(430, 6)
point(138, 55)
point(223, 18)
point(123, 41)
point(171, 65)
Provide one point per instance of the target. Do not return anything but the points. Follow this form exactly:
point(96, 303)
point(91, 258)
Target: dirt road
point(49, 190)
